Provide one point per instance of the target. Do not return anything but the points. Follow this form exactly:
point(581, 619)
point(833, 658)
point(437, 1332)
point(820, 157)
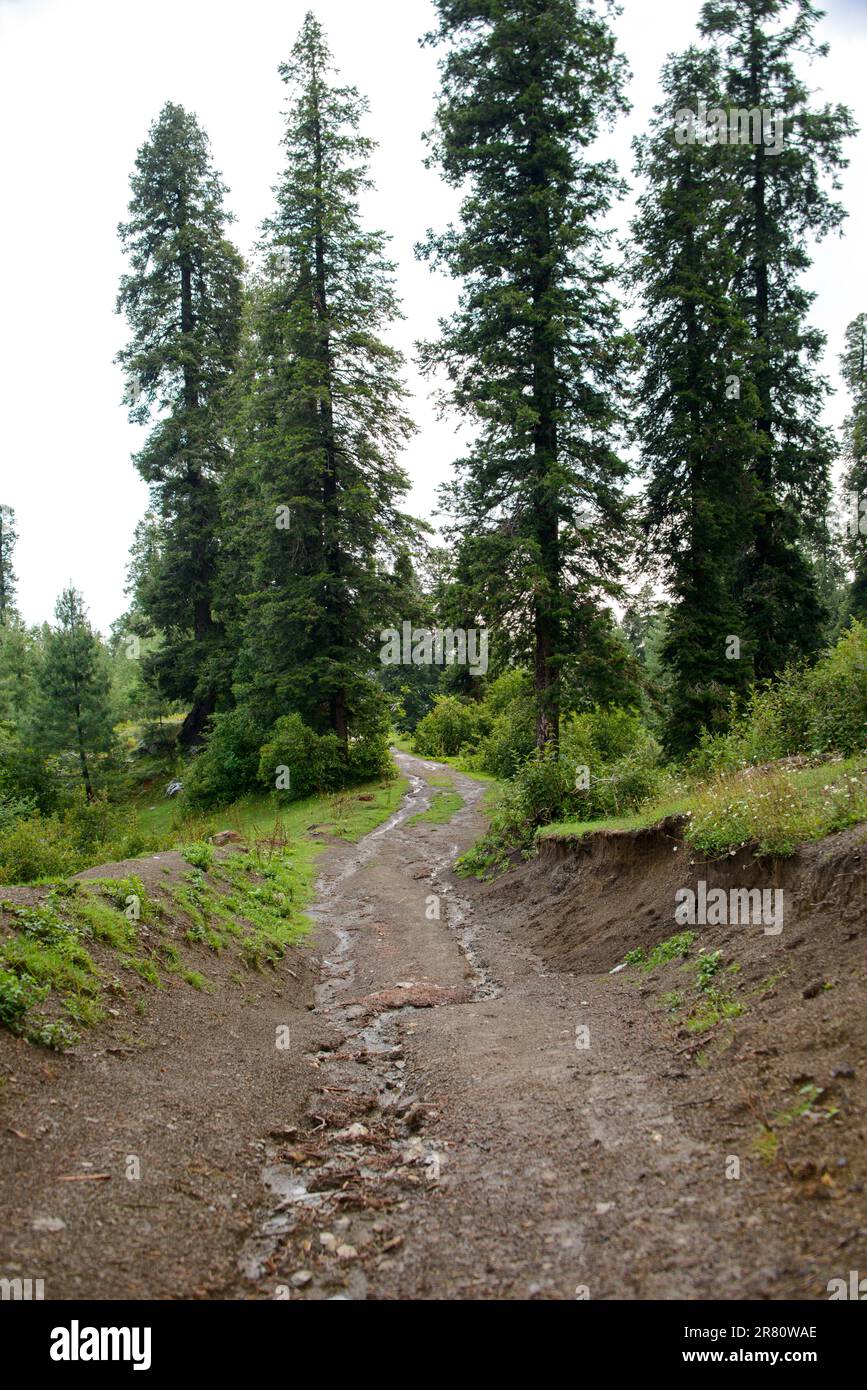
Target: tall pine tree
point(696, 404)
point(854, 367)
point(311, 505)
point(780, 199)
point(183, 303)
point(8, 537)
point(534, 354)
point(73, 712)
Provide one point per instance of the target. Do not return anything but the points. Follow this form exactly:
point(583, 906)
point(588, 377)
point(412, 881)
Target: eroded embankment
point(772, 1007)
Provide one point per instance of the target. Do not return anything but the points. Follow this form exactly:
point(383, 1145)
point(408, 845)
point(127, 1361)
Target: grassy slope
point(774, 809)
point(251, 904)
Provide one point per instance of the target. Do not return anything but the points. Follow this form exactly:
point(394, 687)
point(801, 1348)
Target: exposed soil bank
point(437, 1127)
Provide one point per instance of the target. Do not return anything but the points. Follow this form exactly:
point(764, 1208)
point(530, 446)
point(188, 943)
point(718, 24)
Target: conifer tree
point(780, 198)
point(534, 355)
point(696, 404)
point(74, 697)
point(182, 299)
point(8, 537)
point(854, 367)
point(311, 505)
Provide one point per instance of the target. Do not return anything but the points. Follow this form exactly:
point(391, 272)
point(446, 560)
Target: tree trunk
point(82, 756)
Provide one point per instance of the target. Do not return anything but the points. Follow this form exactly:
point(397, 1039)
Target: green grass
point(771, 811)
point(712, 998)
point(444, 805)
point(251, 903)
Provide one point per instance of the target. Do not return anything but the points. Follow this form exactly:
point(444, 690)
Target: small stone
point(49, 1223)
point(347, 1252)
point(603, 1208)
point(328, 1241)
point(301, 1278)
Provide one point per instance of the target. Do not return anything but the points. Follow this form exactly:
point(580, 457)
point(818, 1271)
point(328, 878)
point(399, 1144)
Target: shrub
point(811, 711)
point(228, 768)
point(450, 726)
point(38, 847)
point(547, 787)
point(17, 993)
point(512, 737)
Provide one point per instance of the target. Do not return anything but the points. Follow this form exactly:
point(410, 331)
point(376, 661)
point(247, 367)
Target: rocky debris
point(226, 837)
point(412, 996)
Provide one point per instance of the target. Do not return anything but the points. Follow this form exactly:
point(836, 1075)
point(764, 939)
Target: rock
point(347, 1252)
point(812, 990)
point(49, 1223)
point(357, 1131)
point(328, 1241)
point(602, 1208)
point(301, 1278)
point(174, 788)
point(844, 1073)
point(226, 837)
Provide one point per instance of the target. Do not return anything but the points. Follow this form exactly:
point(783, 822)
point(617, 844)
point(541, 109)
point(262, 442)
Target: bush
point(575, 783)
point(450, 726)
point(38, 847)
point(314, 762)
point(24, 774)
point(228, 768)
point(35, 847)
point(812, 711)
point(511, 738)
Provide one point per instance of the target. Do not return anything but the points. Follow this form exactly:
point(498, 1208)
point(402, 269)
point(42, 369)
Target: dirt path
point(470, 1106)
point(489, 1147)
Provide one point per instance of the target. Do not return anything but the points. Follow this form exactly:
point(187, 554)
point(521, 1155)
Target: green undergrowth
point(770, 810)
point(249, 903)
point(706, 995)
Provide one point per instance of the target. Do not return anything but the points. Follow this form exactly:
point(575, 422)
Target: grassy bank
point(772, 809)
point(69, 947)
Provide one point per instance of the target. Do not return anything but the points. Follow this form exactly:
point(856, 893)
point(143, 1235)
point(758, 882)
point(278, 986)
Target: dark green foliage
point(229, 766)
point(606, 765)
point(776, 202)
point(73, 707)
point(297, 762)
point(811, 711)
point(854, 368)
point(310, 507)
point(534, 355)
point(447, 728)
point(694, 425)
point(182, 300)
point(8, 537)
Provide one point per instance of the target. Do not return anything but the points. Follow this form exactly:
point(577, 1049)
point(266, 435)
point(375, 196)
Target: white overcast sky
point(80, 83)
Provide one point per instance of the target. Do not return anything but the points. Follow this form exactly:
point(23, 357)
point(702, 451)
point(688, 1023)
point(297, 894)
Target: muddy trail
point(490, 1125)
point(469, 1104)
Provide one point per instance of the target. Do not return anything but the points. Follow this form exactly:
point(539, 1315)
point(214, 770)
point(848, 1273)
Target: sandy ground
point(471, 1105)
